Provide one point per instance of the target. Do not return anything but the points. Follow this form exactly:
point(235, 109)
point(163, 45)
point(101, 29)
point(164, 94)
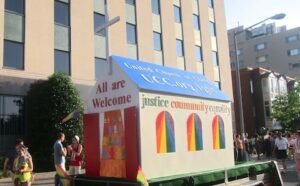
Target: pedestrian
point(60, 153)
point(267, 145)
point(296, 144)
point(22, 167)
point(240, 147)
point(10, 157)
point(74, 151)
point(281, 144)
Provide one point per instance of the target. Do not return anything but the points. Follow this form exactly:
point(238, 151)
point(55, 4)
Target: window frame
point(55, 15)
point(127, 33)
point(102, 32)
point(69, 62)
point(155, 10)
point(177, 14)
point(160, 41)
point(201, 54)
point(181, 54)
point(23, 55)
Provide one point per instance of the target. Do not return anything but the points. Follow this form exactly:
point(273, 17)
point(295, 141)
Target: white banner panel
point(184, 135)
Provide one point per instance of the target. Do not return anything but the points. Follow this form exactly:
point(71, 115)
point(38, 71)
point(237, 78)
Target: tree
point(47, 103)
point(286, 109)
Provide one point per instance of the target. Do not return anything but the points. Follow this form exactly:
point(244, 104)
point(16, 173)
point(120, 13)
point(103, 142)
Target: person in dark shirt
point(9, 159)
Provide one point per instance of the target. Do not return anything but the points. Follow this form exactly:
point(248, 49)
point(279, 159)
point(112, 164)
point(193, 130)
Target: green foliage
point(48, 102)
point(286, 109)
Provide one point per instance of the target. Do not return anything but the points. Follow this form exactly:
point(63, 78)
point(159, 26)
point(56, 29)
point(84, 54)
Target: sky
point(249, 12)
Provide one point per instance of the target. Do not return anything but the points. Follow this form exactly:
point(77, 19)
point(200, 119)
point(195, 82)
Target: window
point(292, 38)
point(212, 29)
point(13, 54)
point(130, 2)
point(217, 84)
point(177, 14)
point(131, 33)
point(179, 48)
point(99, 19)
point(157, 41)
point(294, 52)
point(11, 115)
point(232, 65)
point(215, 58)
point(294, 66)
point(251, 86)
point(98, 64)
point(196, 22)
point(62, 62)
point(260, 46)
point(155, 7)
point(13, 49)
point(267, 109)
point(61, 12)
point(261, 59)
point(15, 6)
point(210, 4)
point(198, 51)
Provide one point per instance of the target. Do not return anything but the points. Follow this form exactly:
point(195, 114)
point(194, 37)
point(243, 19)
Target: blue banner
point(156, 78)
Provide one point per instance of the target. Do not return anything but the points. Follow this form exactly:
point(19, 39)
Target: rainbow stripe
point(194, 133)
point(218, 133)
point(165, 137)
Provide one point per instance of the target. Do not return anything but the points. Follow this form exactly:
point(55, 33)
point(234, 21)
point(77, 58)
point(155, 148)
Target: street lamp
point(237, 71)
point(106, 26)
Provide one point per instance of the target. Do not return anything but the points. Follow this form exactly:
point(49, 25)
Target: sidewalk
point(42, 179)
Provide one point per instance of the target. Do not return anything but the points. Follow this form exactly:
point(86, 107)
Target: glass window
point(131, 33)
point(13, 27)
point(157, 41)
point(15, 6)
point(210, 3)
point(177, 14)
point(61, 12)
point(155, 7)
point(215, 58)
point(292, 38)
point(217, 84)
point(294, 52)
point(196, 22)
point(11, 115)
point(212, 28)
point(131, 2)
point(98, 64)
point(261, 59)
point(62, 62)
point(179, 48)
point(260, 46)
point(13, 55)
point(99, 19)
point(198, 52)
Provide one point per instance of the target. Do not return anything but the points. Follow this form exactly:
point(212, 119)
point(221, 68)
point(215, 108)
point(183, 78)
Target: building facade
point(259, 87)
point(39, 38)
point(269, 47)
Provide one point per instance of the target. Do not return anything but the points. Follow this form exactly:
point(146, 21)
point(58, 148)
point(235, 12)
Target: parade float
point(174, 125)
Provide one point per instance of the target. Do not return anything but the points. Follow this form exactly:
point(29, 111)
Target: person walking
point(23, 168)
point(281, 145)
point(60, 153)
point(74, 151)
point(296, 145)
point(240, 147)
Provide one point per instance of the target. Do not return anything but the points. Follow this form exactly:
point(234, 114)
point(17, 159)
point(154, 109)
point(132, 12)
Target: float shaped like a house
point(164, 120)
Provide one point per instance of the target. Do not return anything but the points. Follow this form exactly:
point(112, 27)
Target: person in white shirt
point(296, 145)
point(281, 145)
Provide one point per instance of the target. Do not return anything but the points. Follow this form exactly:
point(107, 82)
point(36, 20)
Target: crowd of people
point(18, 162)
point(271, 145)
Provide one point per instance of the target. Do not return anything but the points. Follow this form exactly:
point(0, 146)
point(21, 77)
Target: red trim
point(131, 142)
point(91, 143)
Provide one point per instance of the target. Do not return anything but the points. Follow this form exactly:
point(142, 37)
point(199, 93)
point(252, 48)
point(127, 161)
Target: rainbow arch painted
point(165, 134)
point(218, 133)
point(194, 133)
